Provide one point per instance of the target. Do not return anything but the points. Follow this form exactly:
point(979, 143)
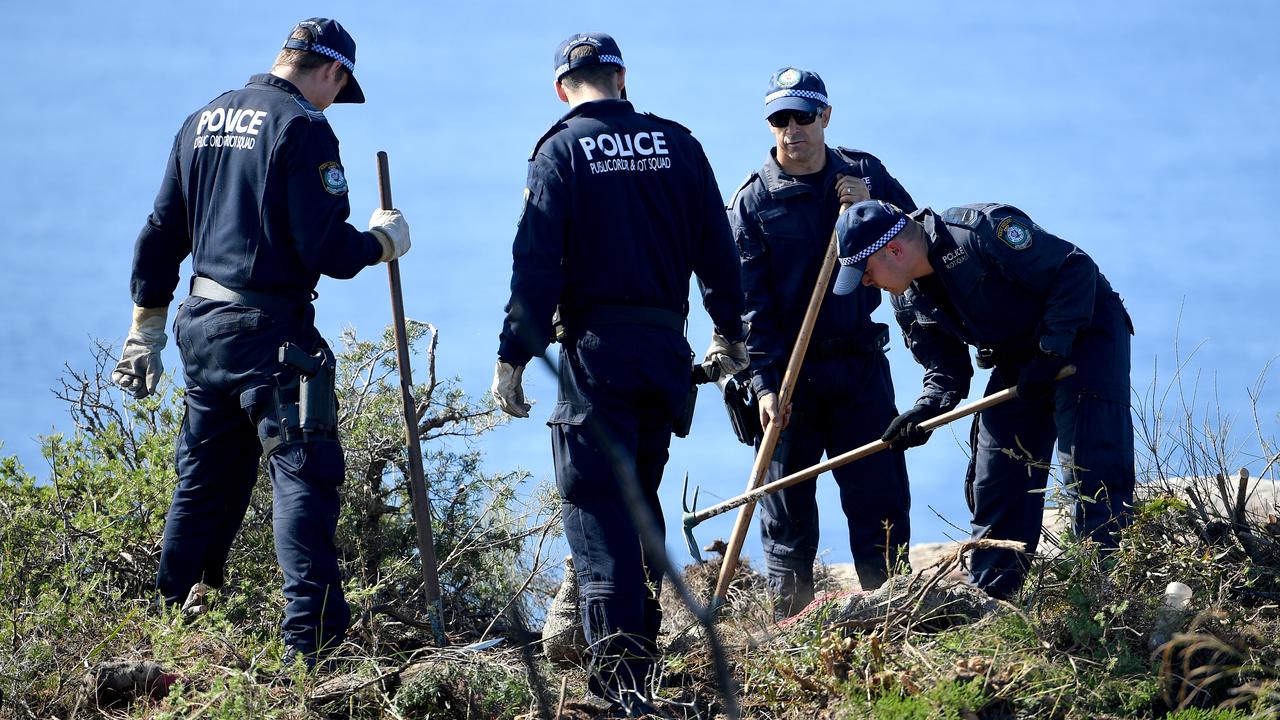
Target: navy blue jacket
point(1000, 282)
point(783, 228)
point(619, 208)
point(255, 190)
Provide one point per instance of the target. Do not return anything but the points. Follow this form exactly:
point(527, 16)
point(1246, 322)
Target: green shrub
point(79, 552)
point(462, 691)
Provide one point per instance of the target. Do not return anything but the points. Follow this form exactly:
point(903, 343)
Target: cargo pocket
point(568, 412)
point(259, 403)
point(234, 322)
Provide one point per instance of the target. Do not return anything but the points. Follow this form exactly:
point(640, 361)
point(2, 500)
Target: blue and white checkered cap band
point(809, 94)
point(564, 67)
point(330, 52)
point(884, 240)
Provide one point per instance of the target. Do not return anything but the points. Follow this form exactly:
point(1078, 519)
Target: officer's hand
point(731, 358)
point(851, 189)
point(771, 413)
point(392, 232)
point(1036, 381)
point(904, 431)
point(507, 390)
point(139, 369)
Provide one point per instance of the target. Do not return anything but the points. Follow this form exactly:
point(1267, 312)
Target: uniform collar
point(590, 109)
point(274, 81)
point(780, 184)
point(596, 108)
point(940, 239)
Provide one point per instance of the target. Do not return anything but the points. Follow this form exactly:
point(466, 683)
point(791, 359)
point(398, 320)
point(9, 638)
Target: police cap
point(606, 52)
point(795, 89)
point(860, 231)
point(332, 41)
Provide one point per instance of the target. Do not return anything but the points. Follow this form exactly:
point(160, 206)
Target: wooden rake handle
point(417, 478)
point(770, 440)
point(857, 453)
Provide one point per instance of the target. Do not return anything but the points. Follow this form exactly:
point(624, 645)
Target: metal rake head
point(689, 520)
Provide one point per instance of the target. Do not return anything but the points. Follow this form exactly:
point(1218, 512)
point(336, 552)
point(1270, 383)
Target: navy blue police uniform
point(844, 395)
point(620, 208)
point(254, 191)
point(1008, 287)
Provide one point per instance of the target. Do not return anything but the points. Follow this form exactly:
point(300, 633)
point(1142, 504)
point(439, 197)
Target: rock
point(917, 600)
point(1261, 496)
point(117, 683)
point(563, 641)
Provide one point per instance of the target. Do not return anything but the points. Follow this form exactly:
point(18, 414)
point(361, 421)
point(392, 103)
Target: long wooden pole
point(857, 453)
point(770, 440)
point(417, 478)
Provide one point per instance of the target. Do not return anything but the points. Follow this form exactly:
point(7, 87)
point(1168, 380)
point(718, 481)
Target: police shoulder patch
point(1015, 232)
point(333, 179)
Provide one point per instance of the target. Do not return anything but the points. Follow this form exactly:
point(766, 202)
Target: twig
point(564, 681)
point(537, 556)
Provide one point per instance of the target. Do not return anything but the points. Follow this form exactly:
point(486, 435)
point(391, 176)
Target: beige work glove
point(392, 232)
point(507, 390)
point(731, 358)
point(139, 369)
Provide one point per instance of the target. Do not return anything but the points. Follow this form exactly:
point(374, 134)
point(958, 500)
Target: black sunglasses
point(782, 118)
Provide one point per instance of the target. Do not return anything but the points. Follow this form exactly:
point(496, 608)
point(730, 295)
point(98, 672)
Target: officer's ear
point(622, 82)
point(826, 116)
point(333, 71)
point(560, 92)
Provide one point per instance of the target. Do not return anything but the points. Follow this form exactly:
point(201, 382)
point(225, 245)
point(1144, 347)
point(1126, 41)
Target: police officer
point(254, 191)
point(986, 275)
point(620, 207)
point(782, 218)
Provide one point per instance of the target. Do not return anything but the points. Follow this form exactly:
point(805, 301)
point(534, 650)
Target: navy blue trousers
point(229, 357)
point(1089, 418)
point(621, 388)
point(840, 404)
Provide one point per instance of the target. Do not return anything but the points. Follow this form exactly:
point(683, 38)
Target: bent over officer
point(255, 193)
point(620, 207)
point(987, 276)
point(782, 218)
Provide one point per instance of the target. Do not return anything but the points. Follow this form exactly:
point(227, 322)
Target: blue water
point(1145, 132)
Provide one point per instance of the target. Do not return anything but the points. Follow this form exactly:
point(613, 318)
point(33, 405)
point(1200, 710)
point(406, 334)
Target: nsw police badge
point(1015, 233)
point(788, 78)
point(334, 181)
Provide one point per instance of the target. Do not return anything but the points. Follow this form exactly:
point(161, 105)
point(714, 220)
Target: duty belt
point(580, 318)
point(212, 290)
point(870, 341)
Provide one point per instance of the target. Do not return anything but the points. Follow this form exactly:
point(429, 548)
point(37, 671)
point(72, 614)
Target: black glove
point(904, 432)
point(1035, 382)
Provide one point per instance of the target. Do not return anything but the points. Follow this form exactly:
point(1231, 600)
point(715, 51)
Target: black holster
point(684, 421)
point(744, 410)
point(702, 374)
point(315, 415)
